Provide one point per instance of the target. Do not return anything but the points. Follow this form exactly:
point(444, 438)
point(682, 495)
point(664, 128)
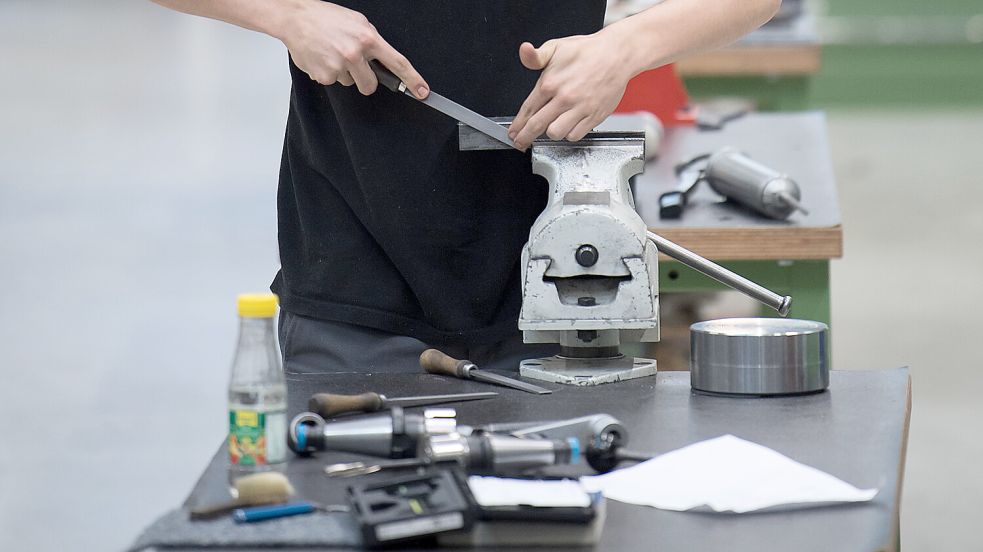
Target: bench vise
point(590, 267)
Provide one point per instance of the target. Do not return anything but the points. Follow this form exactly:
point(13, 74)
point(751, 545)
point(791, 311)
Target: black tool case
point(411, 507)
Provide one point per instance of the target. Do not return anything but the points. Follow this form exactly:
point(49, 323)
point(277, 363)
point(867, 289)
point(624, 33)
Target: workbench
point(857, 431)
point(773, 66)
point(790, 257)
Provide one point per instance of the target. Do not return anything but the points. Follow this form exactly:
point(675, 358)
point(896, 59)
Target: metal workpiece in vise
point(590, 267)
point(395, 434)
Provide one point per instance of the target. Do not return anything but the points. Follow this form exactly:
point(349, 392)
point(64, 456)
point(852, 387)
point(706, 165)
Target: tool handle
point(328, 405)
point(436, 362)
point(386, 77)
point(260, 513)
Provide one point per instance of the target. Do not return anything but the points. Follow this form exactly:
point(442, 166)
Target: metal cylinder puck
point(759, 356)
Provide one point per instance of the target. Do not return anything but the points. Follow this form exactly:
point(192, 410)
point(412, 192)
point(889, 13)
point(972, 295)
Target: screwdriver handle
point(261, 513)
point(386, 77)
point(436, 362)
point(328, 405)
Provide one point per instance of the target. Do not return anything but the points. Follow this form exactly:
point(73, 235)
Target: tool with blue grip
point(261, 513)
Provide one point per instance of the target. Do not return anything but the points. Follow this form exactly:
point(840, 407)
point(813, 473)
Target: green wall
point(898, 76)
point(901, 7)
point(948, 72)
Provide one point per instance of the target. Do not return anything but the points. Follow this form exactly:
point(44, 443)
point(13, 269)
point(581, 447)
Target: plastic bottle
point(257, 391)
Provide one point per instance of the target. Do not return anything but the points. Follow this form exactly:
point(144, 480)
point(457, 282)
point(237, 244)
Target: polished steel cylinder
point(729, 278)
point(759, 356)
point(736, 176)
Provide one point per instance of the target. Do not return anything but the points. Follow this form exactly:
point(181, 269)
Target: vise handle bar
point(780, 303)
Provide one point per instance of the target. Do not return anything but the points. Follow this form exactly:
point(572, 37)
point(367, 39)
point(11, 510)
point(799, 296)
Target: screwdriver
point(436, 362)
point(328, 405)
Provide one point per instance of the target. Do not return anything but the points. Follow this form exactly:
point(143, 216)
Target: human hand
point(334, 44)
point(582, 81)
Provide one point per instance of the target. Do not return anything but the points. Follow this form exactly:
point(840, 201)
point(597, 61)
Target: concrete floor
point(138, 161)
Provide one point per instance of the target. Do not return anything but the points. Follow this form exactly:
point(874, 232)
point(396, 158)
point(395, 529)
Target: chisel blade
point(426, 400)
point(489, 377)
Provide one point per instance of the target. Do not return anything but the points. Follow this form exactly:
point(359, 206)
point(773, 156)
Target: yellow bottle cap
point(257, 305)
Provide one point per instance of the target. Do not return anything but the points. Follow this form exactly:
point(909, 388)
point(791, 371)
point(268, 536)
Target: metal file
point(448, 107)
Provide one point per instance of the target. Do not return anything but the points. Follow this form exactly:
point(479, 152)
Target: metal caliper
point(590, 267)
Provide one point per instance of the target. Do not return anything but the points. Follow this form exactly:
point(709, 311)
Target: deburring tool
point(436, 362)
point(276, 511)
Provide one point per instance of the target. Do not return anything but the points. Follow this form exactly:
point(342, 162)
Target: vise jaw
point(590, 275)
point(589, 271)
point(588, 265)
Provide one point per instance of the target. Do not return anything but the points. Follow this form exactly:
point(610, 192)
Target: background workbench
point(856, 431)
point(792, 257)
point(773, 66)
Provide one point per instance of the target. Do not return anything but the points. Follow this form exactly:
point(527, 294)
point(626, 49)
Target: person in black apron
point(393, 241)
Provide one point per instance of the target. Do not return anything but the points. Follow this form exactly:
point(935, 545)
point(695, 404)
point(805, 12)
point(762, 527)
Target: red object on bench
point(661, 93)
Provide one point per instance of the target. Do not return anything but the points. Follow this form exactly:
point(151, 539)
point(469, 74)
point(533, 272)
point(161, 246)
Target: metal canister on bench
point(759, 356)
point(738, 177)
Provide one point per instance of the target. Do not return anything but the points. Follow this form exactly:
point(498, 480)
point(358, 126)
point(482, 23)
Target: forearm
point(328, 42)
point(265, 16)
point(675, 29)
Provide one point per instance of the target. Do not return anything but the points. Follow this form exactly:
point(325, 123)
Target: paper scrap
point(725, 474)
point(498, 491)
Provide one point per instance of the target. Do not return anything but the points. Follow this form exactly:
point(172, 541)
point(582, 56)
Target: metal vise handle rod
point(721, 274)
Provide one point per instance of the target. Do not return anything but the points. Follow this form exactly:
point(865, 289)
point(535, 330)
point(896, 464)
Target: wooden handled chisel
point(436, 362)
point(450, 108)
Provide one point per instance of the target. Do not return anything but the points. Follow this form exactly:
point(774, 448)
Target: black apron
point(382, 221)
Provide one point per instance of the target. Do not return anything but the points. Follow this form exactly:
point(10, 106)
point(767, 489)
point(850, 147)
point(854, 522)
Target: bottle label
point(257, 438)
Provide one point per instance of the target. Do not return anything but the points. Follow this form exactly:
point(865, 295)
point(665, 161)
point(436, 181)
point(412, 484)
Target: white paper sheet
point(726, 474)
point(498, 491)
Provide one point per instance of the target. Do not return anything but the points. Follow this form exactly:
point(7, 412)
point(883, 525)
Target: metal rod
point(791, 201)
point(722, 275)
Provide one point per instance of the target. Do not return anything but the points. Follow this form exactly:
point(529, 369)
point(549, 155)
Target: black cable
point(681, 167)
point(719, 124)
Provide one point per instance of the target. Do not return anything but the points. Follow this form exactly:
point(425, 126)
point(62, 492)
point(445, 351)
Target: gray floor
point(138, 158)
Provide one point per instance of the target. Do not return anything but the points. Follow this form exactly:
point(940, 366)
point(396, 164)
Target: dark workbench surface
point(856, 431)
